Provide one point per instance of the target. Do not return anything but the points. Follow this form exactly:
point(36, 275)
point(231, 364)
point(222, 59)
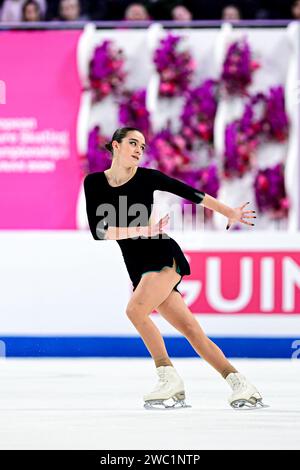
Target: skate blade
point(251, 404)
point(164, 406)
point(170, 404)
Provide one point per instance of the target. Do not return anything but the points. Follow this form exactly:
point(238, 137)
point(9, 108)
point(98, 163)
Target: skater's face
point(131, 149)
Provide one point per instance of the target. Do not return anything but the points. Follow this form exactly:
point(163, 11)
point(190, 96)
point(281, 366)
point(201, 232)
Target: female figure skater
point(155, 262)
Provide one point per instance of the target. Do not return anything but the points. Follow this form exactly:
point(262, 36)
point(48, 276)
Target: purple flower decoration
point(239, 149)
point(264, 119)
point(270, 192)
point(276, 116)
point(205, 179)
point(199, 112)
point(167, 152)
point(133, 111)
point(238, 68)
point(106, 72)
point(175, 67)
point(97, 156)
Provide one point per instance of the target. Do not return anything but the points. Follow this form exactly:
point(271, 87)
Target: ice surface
point(97, 404)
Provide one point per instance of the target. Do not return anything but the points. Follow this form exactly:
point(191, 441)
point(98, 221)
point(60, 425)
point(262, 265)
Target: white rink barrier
point(65, 294)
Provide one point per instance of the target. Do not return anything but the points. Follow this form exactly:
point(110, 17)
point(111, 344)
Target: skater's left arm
point(163, 182)
point(233, 215)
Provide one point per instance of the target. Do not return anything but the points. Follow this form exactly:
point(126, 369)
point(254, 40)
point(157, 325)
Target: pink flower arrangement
point(270, 192)
point(175, 67)
point(167, 152)
point(199, 112)
point(264, 119)
point(206, 179)
point(275, 115)
point(240, 145)
point(98, 157)
point(238, 68)
point(133, 111)
point(106, 70)
point(265, 113)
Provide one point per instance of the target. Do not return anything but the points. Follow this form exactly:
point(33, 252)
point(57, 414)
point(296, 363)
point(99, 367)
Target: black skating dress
point(119, 206)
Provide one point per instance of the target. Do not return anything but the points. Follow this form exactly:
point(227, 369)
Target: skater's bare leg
point(177, 313)
point(151, 291)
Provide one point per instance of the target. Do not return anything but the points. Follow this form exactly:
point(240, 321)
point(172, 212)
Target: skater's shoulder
point(148, 172)
point(142, 174)
point(91, 177)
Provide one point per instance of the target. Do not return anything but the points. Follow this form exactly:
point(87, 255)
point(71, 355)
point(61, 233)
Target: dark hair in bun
point(119, 135)
point(109, 147)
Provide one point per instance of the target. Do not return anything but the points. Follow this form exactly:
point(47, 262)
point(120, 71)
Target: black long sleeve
point(163, 182)
point(98, 228)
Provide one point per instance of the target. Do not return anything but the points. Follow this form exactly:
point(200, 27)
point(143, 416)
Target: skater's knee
point(135, 313)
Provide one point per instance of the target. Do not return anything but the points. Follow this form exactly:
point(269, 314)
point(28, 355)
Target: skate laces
point(162, 376)
point(236, 381)
point(162, 379)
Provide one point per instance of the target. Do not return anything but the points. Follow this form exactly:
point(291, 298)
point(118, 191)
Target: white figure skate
point(168, 393)
point(244, 395)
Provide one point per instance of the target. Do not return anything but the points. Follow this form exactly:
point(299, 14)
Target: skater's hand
point(238, 214)
point(155, 229)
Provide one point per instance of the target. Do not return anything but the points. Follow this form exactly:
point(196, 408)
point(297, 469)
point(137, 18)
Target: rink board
point(105, 346)
point(244, 290)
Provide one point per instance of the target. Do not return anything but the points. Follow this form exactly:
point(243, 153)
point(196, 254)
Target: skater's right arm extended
point(119, 233)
